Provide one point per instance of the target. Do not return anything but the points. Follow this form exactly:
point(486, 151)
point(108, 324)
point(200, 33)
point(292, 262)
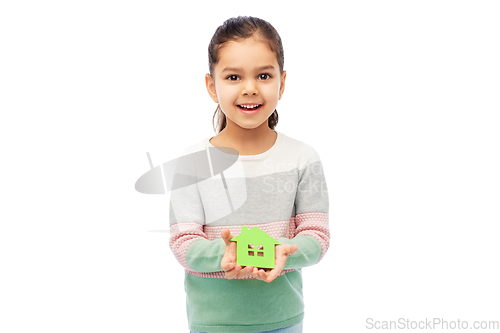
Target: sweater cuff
point(308, 252)
point(205, 256)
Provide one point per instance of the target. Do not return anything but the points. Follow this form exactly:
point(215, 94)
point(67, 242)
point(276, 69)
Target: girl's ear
point(209, 82)
point(282, 85)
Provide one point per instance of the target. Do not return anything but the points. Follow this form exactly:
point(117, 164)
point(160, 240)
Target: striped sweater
point(283, 192)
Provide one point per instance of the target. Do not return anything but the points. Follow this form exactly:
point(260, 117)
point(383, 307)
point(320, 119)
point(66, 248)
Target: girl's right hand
point(228, 263)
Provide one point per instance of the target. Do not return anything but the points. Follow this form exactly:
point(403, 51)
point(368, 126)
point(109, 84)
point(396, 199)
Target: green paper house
point(255, 247)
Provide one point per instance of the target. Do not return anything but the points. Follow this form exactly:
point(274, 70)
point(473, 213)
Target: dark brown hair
point(243, 27)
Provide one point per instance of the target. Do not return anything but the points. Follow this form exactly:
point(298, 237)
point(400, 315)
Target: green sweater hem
point(245, 328)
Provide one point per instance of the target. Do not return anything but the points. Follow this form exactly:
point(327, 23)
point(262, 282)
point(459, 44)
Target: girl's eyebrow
point(235, 69)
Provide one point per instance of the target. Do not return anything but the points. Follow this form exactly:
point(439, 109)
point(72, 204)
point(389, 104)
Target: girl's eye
point(232, 76)
point(263, 76)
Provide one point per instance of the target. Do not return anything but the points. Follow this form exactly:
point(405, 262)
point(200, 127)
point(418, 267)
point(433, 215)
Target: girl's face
point(247, 73)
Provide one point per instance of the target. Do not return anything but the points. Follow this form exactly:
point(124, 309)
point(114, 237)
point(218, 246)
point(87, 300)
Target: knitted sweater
point(281, 191)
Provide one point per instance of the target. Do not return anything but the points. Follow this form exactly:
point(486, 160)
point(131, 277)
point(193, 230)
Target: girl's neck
point(247, 141)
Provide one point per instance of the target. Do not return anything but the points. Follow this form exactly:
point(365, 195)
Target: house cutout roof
point(255, 236)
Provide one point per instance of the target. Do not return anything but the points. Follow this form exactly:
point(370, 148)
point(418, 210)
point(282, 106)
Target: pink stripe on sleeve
point(316, 225)
point(181, 236)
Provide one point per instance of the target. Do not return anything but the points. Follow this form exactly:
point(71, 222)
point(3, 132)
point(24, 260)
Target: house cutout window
point(260, 250)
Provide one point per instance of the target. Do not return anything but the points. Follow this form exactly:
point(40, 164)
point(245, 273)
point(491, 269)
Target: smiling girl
point(247, 80)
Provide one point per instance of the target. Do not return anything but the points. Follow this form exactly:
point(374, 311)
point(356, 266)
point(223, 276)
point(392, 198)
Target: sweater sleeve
point(188, 241)
point(312, 233)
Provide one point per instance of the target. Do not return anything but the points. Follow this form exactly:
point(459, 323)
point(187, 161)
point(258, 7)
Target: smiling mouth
point(244, 108)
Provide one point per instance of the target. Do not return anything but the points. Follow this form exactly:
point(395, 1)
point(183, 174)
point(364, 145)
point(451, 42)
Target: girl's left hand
point(282, 253)
point(228, 263)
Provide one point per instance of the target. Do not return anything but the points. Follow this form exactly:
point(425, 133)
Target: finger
point(245, 272)
point(231, 274)
point(291, 249)
point(228, 264)
point(286, 249)
point(226, 235)
point(231, 250)
point(272, 275)
point(278, 268)
point(260, 278)
point(229, 259)
point(259, 274)
point(225, 266)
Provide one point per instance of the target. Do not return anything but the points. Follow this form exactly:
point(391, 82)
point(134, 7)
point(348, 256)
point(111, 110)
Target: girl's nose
point(250, 88)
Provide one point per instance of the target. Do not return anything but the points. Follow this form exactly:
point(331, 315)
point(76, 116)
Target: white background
point(399, 98)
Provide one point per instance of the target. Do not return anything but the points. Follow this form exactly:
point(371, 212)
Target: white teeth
point(250, 106)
